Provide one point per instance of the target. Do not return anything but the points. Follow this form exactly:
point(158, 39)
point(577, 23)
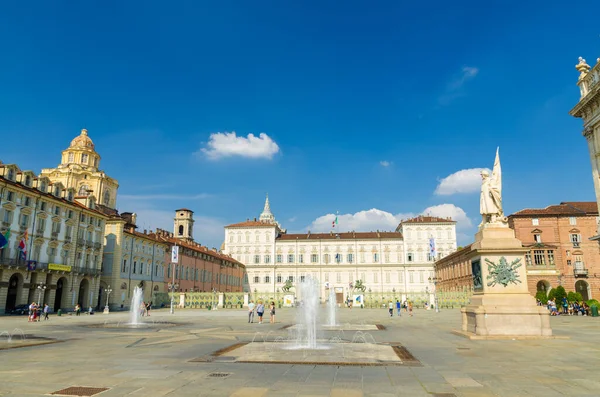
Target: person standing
point(391, 308)
point(46, 311)
point(260, 310)
point(398, 307)
point(148, 307)
point(251, 312)
point(272, 312)
point(410, 307)
point(77, 309)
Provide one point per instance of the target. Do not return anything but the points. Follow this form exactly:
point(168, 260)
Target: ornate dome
point(82, 141)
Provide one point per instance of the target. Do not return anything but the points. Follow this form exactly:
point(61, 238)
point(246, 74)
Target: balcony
point(576, 244)
point(39, 234)
point(67, 239)
point(54, 236)
point(97, 246)
point(80, 242)
point(5, 224)
point(580, 272)
point(90, 271)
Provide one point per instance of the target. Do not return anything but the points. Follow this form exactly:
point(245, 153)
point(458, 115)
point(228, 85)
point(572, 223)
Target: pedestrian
point(398, 306)
point(77, 309)
point(405, 306)
point(46, 311)
point(148, 307)
point(260, 310)
point(391, 308)
point(251, 312)
point(142, 309)
point(272, 312)
point(410, 307)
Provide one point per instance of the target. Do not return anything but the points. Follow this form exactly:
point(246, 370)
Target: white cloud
point(450, 210)
point(385, 163)
point(374, 219)
point(454, 89)
point(463, 181)
point(293, 219)
point(228, 144)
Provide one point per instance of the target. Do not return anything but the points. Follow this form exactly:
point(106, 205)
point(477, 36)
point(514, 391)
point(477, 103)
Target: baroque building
point(79, 170)
point(560, 250)
point(199, 269)
point(62, 238)
point(588, 109)
point(388, 261)
point(131, 259)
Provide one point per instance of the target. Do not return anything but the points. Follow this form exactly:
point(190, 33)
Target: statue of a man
point(490, 203)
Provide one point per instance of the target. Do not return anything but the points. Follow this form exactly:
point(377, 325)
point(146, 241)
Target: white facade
point(383, 261)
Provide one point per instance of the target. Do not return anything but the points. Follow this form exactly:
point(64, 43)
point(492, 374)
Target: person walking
point(77, 309)
point(391, 308)
point(398, 307)
point(410, 307)
point(272, 312)
point(260, 310)
point(251, 312)
point(148, 307)
point(46, 311)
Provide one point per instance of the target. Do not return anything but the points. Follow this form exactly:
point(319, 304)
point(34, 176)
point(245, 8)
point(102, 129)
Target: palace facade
point(383, 261)
point(63, 238)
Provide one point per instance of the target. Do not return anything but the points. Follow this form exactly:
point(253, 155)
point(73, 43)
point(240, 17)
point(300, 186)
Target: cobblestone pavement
point(156, 362)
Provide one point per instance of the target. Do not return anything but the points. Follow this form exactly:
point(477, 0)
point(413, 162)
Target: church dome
point(82, 141)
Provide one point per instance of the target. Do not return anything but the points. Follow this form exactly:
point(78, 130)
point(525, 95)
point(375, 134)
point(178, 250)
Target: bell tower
point(184, 225)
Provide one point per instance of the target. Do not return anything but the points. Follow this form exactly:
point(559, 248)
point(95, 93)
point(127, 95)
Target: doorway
point(58, 295)
point(13, 289)
point(82, 297)
point(583, 288)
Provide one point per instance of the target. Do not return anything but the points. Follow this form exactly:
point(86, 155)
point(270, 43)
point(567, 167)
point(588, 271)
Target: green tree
point(542, 296)
point(560, 294)
point(574, 297)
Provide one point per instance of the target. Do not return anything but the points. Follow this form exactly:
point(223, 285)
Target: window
point(267, 258)
point(43, 187)
point(338, 258)
point(124, 268)
point(388, 277)
point(106, 197)
point(134, 266)
point(24, 221)
point(572, 220)
point(400, 277)
point(575, 239)
point(410, 257)
point(375, 257)
point(291, 279)
point(84, 158)
point(314, 258)
point(568, 254)
point(411, 277)
point(551, 257)
point(7, 216)
point(247, 238)
point(535, 221)
point(539, 258)
point(256, 279)
point(327, 277)
point(70, 214)
point(300, 258)
point(350, 258)
point(57, 210)
point(375, 278)
point(279, 258)
point(302, 278)
point(338, 277)
point(326, 258)
point(10, 196)
point(568, 262)
point(279, 278)
point(11, 174)
point(258, 238)
point(71, 157)
point(421, 276)
point(579, 262)
point(256, 258)
point(537, 238)
point(95, 161)
point(363, 278)
point(290, 258)
point(267, 279)
point(27, 201)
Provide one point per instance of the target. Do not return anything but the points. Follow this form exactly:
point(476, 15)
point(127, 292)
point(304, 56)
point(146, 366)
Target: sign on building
point(175, 254)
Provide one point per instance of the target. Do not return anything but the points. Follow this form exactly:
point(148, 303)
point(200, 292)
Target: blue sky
point(365, 108)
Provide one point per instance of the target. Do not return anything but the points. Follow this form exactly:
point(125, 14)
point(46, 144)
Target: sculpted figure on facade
point(490, 203)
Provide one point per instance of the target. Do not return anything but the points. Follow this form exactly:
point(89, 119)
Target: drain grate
point(380, 327)
point(218, 375)
point(80, 391)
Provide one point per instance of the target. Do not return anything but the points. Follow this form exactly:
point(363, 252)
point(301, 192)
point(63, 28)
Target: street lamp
point(106, 308)
point(434, 280)
point(173, 287)
point(41, 288)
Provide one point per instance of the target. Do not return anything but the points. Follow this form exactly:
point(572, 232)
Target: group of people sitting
point(567, 308)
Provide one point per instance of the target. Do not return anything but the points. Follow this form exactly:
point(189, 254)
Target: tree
point(541, 296)
point(560, 293)
point(574, 297)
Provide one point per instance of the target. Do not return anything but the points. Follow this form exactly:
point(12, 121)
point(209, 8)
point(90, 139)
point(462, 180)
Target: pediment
point(536, 231)
point(574, 230)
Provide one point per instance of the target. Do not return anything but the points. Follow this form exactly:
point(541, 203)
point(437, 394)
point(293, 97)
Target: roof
point(194, 247)
point(184, 209)
point(142, 235)
point(428, 219)
point(249, 223)
point(342, 236)
point(567, 208)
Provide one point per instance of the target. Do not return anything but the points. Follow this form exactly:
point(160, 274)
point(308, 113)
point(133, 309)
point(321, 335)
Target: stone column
point(246, 299)
point(221, 300)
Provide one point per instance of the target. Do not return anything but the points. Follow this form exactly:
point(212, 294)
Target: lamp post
point(434, 280)
point(214, 306)
point(108, 291)
point(41, 289)
point(173, 287)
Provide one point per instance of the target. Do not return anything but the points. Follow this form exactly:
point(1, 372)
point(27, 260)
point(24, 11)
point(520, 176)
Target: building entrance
point(13, 288)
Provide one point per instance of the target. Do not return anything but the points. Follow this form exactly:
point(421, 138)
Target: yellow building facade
point(79, 170)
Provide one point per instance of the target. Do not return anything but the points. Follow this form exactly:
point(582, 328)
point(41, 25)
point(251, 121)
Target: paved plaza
point(179, 360)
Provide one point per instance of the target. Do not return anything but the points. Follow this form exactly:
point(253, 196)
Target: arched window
point(83, 190)
point(71, 157)
point(84, 158)
point(106, 197)
point(27, 180)
point(181, 230)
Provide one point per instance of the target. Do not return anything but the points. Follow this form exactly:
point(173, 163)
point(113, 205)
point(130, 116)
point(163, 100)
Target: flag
point(335, 222)
point(22, 246)
point(338, 258)
point(4, 239)
point(432, 247)
point(31, 265)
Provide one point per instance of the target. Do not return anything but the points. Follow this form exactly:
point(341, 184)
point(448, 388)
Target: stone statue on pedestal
point(490, 203)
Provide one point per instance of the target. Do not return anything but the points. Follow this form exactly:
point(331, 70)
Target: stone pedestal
point(501, 304)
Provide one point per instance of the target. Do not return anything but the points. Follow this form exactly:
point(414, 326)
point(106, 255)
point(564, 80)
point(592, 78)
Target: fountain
point(308, 315)
point(136, 302)
point(331, 308)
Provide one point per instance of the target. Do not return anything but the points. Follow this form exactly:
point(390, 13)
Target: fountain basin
point(343, 327)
